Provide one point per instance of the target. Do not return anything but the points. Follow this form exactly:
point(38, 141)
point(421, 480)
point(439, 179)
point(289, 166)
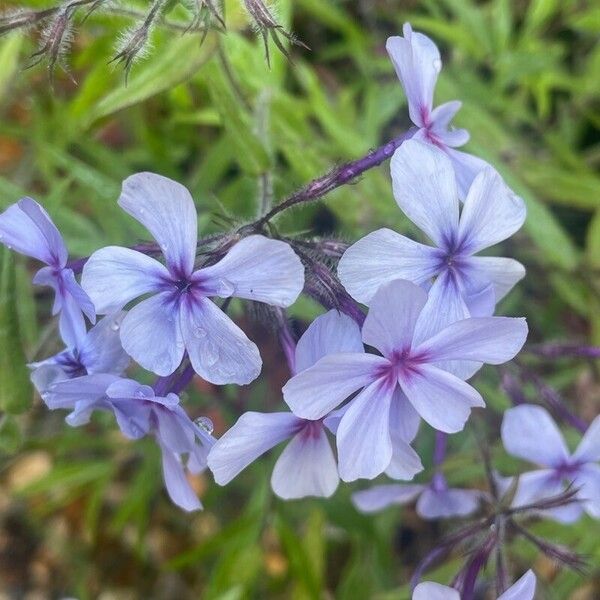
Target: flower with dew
point(98, 351)
point(417, 63)
point(522, 589)
point(139, 412)
point(28, 229)
point(178, 315)
point(410, 376)
point(530, 433)
point(425, 189)
point(307, 465)
point(434, 501)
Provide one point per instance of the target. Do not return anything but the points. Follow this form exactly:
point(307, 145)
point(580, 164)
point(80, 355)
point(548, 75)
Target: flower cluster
point(360, 386)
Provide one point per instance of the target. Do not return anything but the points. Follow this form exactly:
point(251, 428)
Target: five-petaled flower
point(425, 189)
point(522, 589)
point(27, 228)
point(179, 316)
point(412, 367)
point(530, 433)
point(307, 466)
point(417, 62)
point(139, 412)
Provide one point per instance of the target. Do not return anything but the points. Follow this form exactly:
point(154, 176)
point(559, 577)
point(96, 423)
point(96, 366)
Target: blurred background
point(83, 512)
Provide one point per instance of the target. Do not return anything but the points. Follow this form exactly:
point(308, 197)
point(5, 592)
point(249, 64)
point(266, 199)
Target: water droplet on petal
point(437, 65)
point(205, 423)
point(225, 288)
point(210, 353)
point(139, 394)
point(115, 325)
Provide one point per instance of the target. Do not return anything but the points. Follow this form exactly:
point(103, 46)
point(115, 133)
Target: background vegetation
point(83, 512)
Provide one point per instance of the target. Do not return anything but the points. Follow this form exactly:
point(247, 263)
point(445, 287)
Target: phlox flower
point(409, 377)
point(417, 63)
point(184, 445)
point(178, 315)
point(530, 433)
point(28, 229)
point(98, 351)
point(307, 465)
point(434, 501)
point(522, 589)
point(425, 189)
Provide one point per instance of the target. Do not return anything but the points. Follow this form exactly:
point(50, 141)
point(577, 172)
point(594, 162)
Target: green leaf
point(176, 63)
point(15, 388)
point(10, 49)
point(11, 437)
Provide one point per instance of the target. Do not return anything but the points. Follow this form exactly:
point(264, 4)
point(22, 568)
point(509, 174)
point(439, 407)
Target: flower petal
point(425, 189)
point(405, 462)
point(417, 63)
point(393, 313)
point(381, 257)
point(492, 212)
point(530, 433)
point(166, 209)
point(381, 496)
point(316, 391)
point(589, 446)
point(491, 340)
point(404, 419)
point(113, 276)
point(503, 273)
point(28, 229)
point(442, 399)
point(331, 333)
point(218, 349)
point(522, 589)
point(466, 167)
point(363, 436)
point(178, 487)
point(256, 268)
point(429, 590)
point(588, 479)
point(64, 394)
point(447, 503)
point(252, 435)
point(306, 466)
point(150, 334)
point(101, 350)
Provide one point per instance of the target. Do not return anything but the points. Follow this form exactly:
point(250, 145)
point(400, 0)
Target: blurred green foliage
point(217, 119)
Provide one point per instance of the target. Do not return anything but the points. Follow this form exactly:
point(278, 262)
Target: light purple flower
point(530, 433)
point(408, 377)
point(307, 466)
point(434, 501)
point(184, 445)
point(99, 351)
point(523, 589)
point(425, 189)
point(178, 315)
point(417, 62)
point(27, 228)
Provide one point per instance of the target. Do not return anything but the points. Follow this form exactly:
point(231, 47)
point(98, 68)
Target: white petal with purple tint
point(113, 276)
point(381, 257)
point(167, 211)
point(429, 590)
point(252, 435)
point(219, 350)
point(588, 449)
point(447, 503)
point(425, 189)
point(530, 433)
point(151, 335)
point(306, 466)
point(522, 589)
point(331, 333)
point(178, 487)
point(381, 496)
point(502, 273)
point(256, 268)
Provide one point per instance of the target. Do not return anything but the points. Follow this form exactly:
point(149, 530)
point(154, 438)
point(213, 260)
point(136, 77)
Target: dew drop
point(437, 65)
point(205, 423)
point(210, 354)
point(115, 326)
point(140, 394)
point(226, 288)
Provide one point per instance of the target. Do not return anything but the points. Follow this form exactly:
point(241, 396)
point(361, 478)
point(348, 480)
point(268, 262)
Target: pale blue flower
point(178, 315)
point(28, 229)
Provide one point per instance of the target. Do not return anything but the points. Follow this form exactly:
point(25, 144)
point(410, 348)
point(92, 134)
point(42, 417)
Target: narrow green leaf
point(10, 50)
point(11, 437)
point(15, 388)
